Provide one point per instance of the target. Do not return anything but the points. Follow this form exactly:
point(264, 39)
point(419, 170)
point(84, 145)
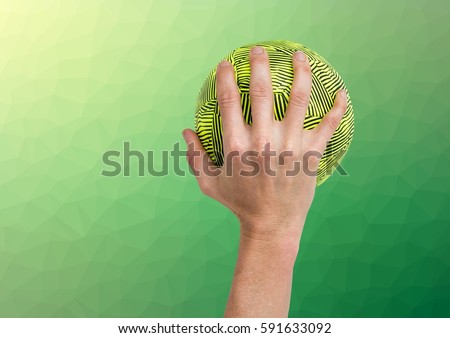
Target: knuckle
point(303, 68)
point(234, 144)
point(312, 159)
point(291, 147)
point(306, 67)
point(261, 142)
point(286, 157)
point(333, 122)
point(228, 98)
point(299, 99)
point(295, 153)
point(260, 91)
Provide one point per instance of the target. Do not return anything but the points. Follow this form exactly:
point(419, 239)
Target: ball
point(325, 84)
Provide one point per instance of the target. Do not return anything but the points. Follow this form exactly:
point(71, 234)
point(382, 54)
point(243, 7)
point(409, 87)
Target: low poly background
point(78, 78)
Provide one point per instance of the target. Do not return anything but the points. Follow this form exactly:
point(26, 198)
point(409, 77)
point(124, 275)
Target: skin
point(271, 208)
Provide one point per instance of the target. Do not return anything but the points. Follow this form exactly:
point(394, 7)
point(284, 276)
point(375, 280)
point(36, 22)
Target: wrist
point(279, 246)
point(274, 231)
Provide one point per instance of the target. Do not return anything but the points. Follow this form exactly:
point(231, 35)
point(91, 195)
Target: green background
point(78, 78)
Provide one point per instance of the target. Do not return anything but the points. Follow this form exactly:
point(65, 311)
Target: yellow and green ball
point(325, 84)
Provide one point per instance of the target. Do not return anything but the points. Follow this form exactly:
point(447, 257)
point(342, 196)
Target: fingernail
point(224, 63)
point(343, 93)
point(300, 56)
point(257, 50)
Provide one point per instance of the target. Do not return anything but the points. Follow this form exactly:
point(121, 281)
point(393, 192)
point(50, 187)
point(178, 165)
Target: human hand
point(268, 177)
point(268, 180)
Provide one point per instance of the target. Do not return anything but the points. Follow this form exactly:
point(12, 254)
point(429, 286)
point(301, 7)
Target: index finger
point(229, 100)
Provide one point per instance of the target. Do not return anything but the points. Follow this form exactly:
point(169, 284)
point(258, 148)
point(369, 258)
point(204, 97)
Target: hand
point(272, 196)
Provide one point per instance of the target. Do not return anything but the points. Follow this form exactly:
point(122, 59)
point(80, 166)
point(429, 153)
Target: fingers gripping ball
point(325, 84)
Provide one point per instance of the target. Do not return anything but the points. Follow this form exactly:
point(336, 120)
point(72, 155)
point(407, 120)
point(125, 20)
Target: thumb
point(204, 169)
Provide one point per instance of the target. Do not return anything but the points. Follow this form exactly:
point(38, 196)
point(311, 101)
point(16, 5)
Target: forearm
point(270, 200)
point(263, 277)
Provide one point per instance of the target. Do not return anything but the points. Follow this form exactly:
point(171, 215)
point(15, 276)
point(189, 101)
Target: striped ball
point(325, 83)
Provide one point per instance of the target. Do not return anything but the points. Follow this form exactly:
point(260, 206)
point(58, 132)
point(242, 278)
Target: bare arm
point(273, 201)
point(262, 278)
